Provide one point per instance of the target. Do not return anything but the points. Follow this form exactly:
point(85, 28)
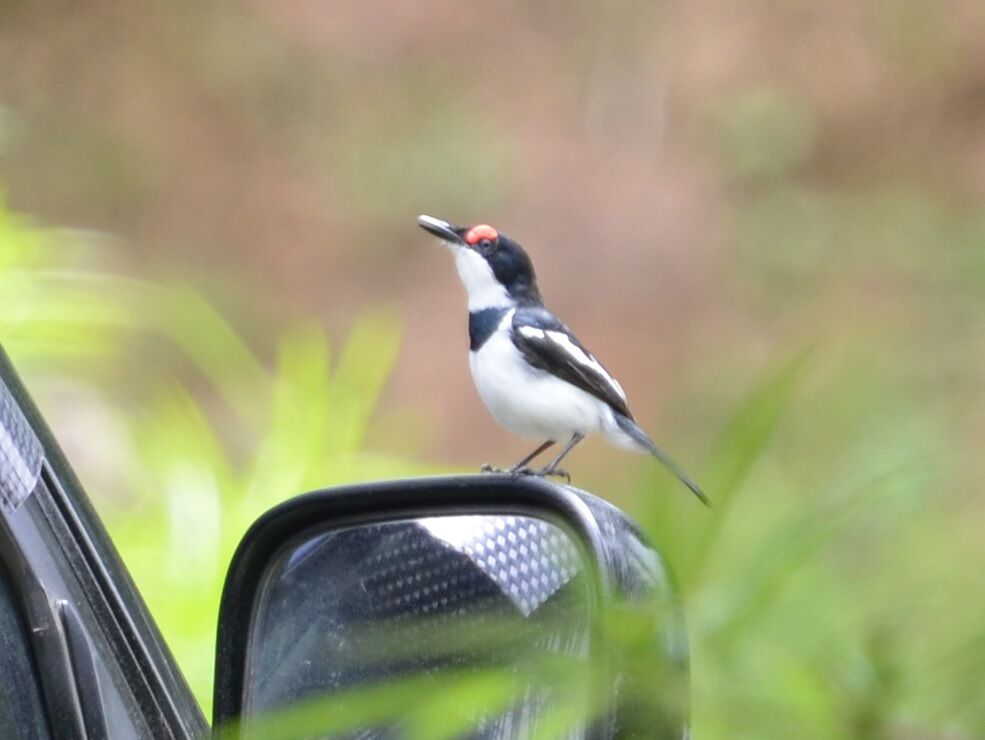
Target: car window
point(22, 713)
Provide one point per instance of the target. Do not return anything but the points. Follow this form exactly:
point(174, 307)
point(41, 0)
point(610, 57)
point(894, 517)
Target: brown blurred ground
point(703, 185)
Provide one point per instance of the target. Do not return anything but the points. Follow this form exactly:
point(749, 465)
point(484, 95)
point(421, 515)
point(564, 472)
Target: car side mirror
point(480, 606)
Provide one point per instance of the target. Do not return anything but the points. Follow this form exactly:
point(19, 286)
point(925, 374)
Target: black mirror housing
point(319, 586)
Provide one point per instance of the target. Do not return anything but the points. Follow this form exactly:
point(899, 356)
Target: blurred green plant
point(52, 306)
point(836, 605)
point(189, 497)
point(439, 705)
point(821, 612)
point(194, 499)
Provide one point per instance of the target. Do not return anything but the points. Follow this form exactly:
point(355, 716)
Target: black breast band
point(482, 324)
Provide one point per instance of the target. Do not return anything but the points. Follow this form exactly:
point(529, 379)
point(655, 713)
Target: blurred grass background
point(767, 218)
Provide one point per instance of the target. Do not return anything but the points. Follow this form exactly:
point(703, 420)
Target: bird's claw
point(556, 473)
point(542, 473)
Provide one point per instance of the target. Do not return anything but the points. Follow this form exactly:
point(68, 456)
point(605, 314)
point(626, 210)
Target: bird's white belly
point(527, 401)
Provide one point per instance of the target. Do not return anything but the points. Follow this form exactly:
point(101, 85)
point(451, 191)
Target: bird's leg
point(552, 469)
point(521, 467)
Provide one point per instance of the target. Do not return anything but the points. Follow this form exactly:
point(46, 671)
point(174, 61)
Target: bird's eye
point(481, 236)
point(485, 246)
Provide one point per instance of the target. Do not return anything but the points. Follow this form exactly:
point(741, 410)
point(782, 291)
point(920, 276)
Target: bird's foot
point(544, 473)
point(556, 473)
point(540, 473)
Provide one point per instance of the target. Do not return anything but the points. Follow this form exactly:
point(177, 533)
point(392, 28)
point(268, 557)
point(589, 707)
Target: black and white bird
point(531, 372)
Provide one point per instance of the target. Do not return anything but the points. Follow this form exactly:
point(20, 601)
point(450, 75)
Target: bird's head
point(494, 269)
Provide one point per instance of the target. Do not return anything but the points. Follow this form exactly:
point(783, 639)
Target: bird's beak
point(441, 229)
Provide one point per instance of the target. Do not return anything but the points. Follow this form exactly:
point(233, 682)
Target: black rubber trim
point(84, 670)
point(48, 644)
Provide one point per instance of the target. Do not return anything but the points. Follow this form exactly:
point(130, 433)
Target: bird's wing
point(549, 345)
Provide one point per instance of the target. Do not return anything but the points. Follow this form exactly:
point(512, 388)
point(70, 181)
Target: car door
point(81, 655)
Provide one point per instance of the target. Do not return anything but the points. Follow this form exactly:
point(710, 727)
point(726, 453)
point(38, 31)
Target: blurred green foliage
point(832, 614)
point(190, 497)
point(828, 594)
point(304, 426)
point(443, 704)
point(52, 305)
point(738, 182)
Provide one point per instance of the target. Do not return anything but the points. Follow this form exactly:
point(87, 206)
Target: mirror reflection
point(479, 622)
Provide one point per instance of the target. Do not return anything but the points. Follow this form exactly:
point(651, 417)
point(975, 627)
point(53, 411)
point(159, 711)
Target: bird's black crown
point(512, 267)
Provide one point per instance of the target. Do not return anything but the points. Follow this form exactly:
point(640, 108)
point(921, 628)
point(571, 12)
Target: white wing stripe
point(576, 353)
point(585, 360)
point(532, 332)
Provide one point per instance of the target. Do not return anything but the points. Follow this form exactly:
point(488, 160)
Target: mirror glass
point(471, 626)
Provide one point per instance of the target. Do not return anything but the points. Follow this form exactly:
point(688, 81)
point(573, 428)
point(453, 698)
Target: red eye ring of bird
point(479, 232)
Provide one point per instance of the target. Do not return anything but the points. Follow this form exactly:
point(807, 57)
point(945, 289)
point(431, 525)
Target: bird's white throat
point(483, 289)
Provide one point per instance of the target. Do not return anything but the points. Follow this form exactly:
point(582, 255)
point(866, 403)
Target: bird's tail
point(641, 440)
